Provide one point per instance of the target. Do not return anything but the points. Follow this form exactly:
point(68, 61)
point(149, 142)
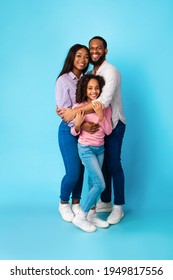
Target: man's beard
point(99, 61)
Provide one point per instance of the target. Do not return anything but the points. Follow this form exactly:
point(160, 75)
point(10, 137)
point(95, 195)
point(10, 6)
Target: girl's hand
point(79, 120)
point(98, 108)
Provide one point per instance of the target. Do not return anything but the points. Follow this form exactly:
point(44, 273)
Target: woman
point(75, 65)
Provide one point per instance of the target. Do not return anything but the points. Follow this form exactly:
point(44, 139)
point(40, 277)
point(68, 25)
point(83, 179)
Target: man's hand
point(90, 127)
point(60, 112)
point(67, 114)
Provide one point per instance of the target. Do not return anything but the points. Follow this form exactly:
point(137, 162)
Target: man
point(111, 94)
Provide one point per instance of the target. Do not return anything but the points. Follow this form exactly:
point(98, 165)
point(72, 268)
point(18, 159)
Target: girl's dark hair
point(68, 63)
point(81, 90)
point(101, 39)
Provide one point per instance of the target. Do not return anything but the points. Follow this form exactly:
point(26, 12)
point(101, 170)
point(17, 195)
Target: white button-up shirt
point(111, 92)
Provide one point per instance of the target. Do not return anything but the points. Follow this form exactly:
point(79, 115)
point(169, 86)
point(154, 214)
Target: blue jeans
point(72, 182)
point(92, 158)
point(112, 168)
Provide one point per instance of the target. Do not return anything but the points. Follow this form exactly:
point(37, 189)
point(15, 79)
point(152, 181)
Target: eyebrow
point(78, 52)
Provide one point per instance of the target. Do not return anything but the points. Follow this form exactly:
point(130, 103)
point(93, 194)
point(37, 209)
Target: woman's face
point(81, 60)
point(93, 89)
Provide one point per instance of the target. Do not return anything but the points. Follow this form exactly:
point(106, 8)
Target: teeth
point(95, 56)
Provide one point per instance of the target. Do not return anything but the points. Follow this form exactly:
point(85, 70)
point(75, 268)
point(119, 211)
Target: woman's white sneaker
point(66, 212)
point(75, 208)
point(116, 215)
point(95, 220)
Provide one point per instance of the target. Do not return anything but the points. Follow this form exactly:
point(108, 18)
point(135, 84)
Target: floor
point(31, 228)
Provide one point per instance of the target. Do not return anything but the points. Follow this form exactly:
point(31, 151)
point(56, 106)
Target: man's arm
point(68, 113)
point(112, 82)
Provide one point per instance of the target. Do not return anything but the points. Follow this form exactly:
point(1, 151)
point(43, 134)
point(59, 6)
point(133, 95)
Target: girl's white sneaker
point(95, 220)
point(80, 220)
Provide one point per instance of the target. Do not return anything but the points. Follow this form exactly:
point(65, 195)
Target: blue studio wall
point(35, 37)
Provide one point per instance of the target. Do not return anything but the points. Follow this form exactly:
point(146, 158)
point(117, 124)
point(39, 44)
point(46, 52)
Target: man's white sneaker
point(66, 212)
point(95, 220)
point(103, 206)
point(116, 215)
point(80, 220)
point(75, 208)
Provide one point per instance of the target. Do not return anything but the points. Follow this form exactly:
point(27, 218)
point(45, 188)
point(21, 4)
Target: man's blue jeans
point(92, 159)
point(112, 168)
point(72, 182)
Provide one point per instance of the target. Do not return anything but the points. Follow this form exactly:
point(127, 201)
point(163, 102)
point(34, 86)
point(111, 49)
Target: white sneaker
point(75, 208)
point(103, 206)
point(66, 212)
point(116, 215)
point(80, 220)
point(92, 217)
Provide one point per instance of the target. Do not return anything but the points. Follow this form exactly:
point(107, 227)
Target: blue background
point(35, 37)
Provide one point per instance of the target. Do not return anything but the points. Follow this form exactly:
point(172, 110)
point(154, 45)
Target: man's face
point(97, 52)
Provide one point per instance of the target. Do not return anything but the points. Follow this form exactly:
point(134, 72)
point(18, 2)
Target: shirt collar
point(101, 66)
point(72, 75)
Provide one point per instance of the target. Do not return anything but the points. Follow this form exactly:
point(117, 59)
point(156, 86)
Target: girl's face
point(81, 61)
point(93, 90)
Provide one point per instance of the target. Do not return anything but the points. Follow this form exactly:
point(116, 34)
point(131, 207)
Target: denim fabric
point(73, 180)
point(112, 168)
point(92, 158)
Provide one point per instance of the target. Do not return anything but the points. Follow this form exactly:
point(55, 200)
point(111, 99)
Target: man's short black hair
point(101, 39)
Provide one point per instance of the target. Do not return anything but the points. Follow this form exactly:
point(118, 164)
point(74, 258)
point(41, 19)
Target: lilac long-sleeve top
point(105, 128)
point(66, 90)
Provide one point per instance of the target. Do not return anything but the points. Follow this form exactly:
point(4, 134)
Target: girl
point(91, 148)
point(75, 65)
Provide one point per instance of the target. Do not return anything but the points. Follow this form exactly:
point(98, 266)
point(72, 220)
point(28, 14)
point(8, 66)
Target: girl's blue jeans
point(73, 180)
point(92, 158)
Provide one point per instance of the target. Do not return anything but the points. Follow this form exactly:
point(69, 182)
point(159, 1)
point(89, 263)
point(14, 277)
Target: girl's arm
point(106, 123)
point(98, 109)
point(75, 130)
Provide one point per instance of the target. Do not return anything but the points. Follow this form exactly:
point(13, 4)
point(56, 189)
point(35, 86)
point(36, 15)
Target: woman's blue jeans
point(73, 180)
point(92, 158)
point(112, 168)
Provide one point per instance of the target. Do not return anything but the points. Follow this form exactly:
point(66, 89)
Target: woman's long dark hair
point(68, 63)
point(81, 91)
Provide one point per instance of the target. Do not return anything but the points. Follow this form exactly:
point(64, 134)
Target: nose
point(93, 90)
point(83, 59)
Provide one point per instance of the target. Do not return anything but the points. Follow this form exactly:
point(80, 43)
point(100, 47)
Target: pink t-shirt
point(105, 128)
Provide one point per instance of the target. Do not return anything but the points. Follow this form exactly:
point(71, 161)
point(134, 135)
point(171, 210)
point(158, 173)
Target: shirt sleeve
point(112, 82)
point(73, 131)
point(62, 94)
